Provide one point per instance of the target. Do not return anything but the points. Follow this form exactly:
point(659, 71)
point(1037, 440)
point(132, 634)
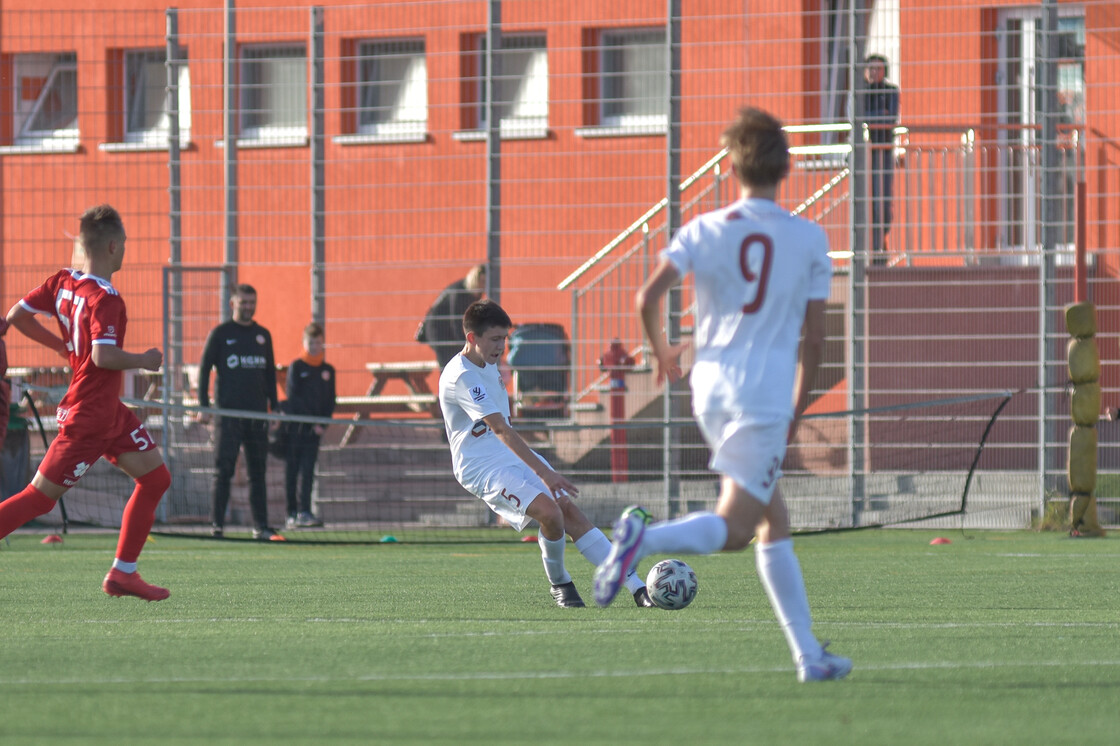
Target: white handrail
point(700, 172)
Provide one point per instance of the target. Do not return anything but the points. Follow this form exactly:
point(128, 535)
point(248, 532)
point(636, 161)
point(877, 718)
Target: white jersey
point(467, 393)
point(755, 269)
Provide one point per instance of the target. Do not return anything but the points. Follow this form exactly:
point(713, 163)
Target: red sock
point(21, 508)
point(140, 512)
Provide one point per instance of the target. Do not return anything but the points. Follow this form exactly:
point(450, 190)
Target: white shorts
point(509, 489)
point(750, 453)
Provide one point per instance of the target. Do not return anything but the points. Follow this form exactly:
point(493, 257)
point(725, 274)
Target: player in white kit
point(761, 281)
point(494, 463)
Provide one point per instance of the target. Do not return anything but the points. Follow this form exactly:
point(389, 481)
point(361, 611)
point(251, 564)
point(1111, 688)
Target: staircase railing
point(603, 287)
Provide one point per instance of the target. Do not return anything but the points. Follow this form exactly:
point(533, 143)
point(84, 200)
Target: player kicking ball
point(92, 421)
point(762, 278)
point(493, 462)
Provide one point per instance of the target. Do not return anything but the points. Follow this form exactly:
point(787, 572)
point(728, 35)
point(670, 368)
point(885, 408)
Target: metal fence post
point(670, 450)
point(318, 169)
point(493, 153)
point(229, 153)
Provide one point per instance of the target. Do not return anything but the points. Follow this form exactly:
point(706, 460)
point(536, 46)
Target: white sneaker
point(306, 519)
point(828, 667)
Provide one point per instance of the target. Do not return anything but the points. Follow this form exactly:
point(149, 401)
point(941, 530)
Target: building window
point(393, 90)
point(146, 98)
point(837, 50)
point(634, 86)
point(46, 101)
point(834, 65)
point(520, 87)
point(1071, 68)
point(273, 95)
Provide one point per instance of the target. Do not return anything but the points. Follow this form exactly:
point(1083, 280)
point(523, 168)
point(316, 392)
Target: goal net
point(902, 464)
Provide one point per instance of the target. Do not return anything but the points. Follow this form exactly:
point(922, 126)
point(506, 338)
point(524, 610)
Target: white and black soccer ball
point(671, 584)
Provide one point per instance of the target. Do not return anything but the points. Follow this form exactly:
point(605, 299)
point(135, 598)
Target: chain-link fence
point(352, 160)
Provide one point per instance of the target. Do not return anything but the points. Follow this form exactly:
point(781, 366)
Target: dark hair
point(242, 289)
point(758, 147)
point(483, 315)
point(98, 226)
point(314, 329)
point(881, 59)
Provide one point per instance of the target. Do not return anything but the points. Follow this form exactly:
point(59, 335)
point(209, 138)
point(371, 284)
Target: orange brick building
point(404, 188)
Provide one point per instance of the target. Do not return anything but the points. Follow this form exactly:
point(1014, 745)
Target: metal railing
point(954, 200)
point(602, 288)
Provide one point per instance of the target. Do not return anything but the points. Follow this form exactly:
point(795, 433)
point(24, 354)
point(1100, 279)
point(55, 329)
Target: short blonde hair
point(758, 148)
point(475, 280)
point(99, 226)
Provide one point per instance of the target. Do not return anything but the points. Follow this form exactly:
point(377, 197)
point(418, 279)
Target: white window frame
point(834, 65)
point(521, 96)
point(1019, 224)
point(152, 65)
point(632, 91)
point(394, 74)
point(56, 70)
point(521, 90)
point(272, 62)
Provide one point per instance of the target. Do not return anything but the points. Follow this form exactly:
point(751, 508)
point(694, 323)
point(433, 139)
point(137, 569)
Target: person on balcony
point(880, 112)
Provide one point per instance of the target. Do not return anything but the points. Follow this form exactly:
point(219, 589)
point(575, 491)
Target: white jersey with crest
point(755, 267)
point(467, 393)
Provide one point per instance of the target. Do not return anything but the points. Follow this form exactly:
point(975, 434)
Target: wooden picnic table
point(419, 399)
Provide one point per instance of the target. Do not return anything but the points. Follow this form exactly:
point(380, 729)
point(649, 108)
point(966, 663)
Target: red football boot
point(119, 583)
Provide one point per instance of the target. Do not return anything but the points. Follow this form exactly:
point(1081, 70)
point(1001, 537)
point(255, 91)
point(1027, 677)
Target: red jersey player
point(92, 421)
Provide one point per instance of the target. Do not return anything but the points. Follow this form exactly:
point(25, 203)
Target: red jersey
point(89, 312)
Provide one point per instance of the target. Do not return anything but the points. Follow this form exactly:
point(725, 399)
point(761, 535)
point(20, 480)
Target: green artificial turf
point(995, 638)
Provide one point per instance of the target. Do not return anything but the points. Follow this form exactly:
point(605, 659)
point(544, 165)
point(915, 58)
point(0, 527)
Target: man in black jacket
point(880, 111)
point(442, 328)
point(240, 352)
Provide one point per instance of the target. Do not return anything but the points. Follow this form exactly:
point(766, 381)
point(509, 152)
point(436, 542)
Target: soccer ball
point(671, 584)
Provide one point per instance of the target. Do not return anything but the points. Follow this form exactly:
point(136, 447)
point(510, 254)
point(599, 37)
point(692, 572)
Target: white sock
point(780, 573)
point(129, 567)
point(552, 552)
point(595, 546)
point(696, 533)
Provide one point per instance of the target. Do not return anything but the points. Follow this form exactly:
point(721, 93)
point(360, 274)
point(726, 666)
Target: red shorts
point(76, 447)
